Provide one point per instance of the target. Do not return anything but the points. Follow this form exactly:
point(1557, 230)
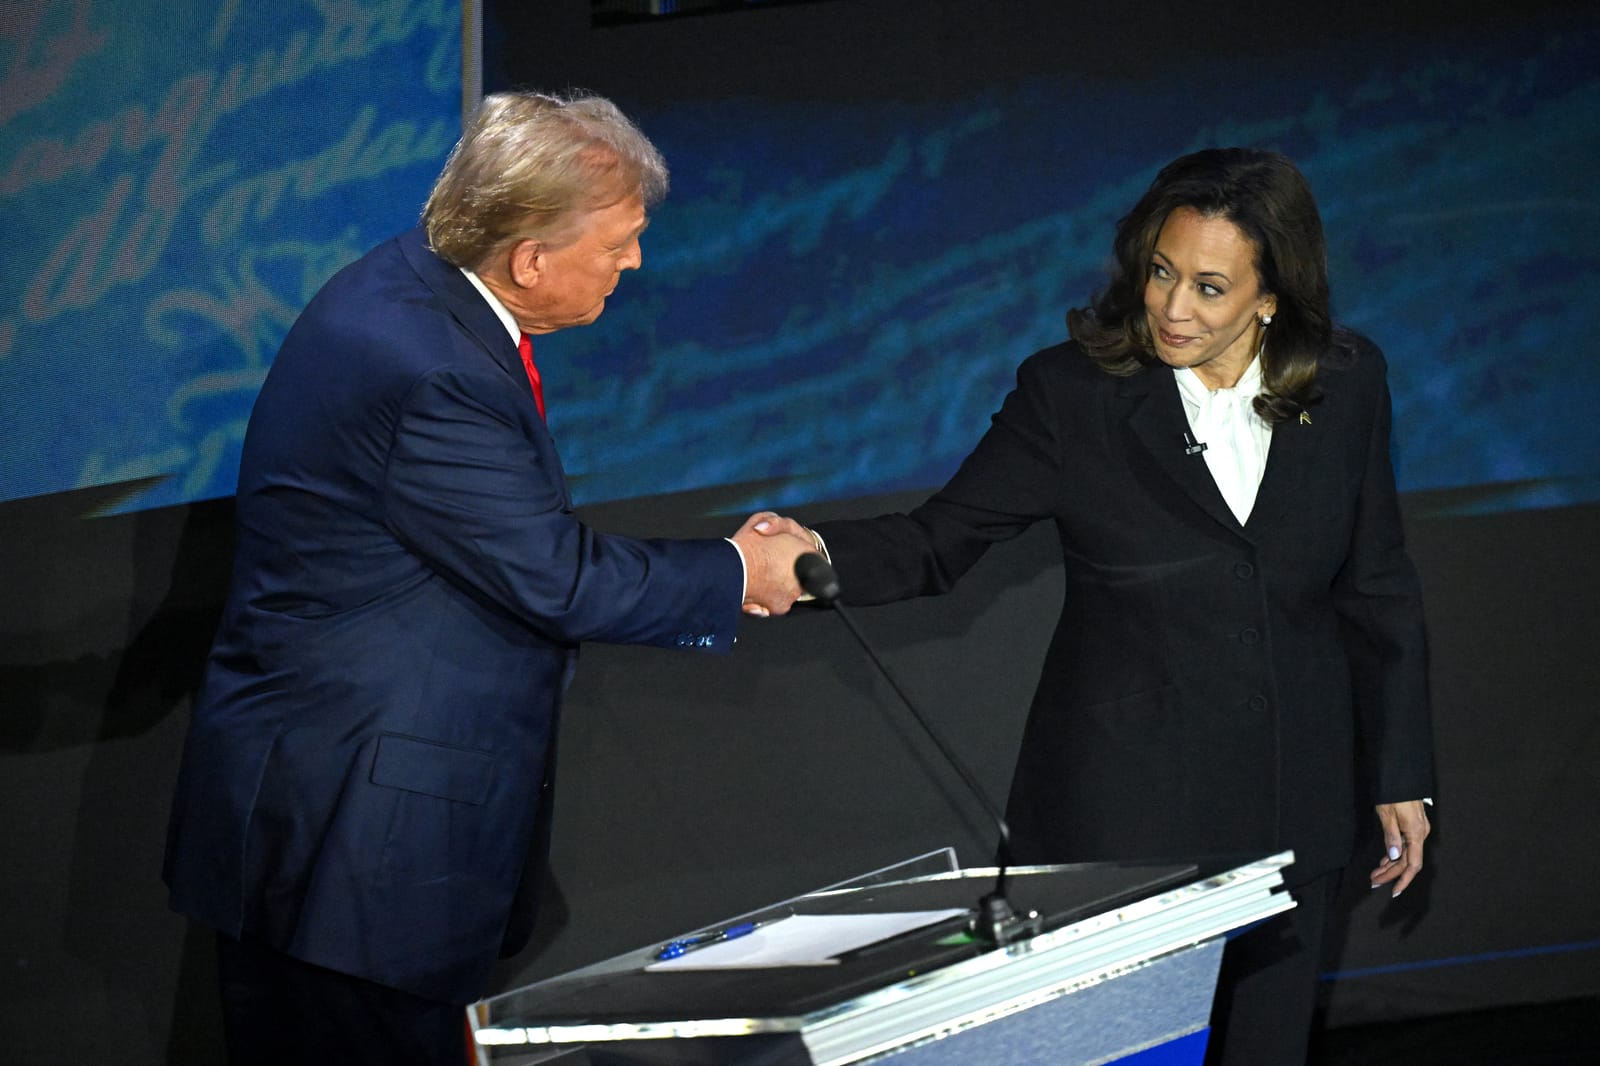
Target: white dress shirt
point(1236, 439)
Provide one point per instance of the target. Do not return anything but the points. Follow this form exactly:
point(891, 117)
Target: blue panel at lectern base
point(1160, 1009)
point(1185, 1051)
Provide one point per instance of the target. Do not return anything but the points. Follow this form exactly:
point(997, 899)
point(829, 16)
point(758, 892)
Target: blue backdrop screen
point(837, 294)
point(176, 180)
point(837, 291)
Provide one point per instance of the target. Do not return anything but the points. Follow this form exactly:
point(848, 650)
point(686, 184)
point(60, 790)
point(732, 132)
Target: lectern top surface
point(622, 991)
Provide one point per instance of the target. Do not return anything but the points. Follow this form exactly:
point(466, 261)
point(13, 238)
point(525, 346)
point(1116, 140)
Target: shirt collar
point(1248, 387)
point(507, 319)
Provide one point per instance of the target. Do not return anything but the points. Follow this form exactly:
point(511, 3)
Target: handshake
point(770, 545)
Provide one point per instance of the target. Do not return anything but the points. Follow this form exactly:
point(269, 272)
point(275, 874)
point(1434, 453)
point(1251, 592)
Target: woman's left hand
point(1405, 827)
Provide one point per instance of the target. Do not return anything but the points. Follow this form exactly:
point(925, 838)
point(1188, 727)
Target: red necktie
point(526, 348)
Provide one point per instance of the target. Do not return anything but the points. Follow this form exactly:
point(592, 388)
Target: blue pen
point(675, 948)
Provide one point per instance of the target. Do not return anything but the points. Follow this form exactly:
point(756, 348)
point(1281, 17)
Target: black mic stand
point(995, 920)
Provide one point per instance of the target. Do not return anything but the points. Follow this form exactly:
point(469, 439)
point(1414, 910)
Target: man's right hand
point(770, 544)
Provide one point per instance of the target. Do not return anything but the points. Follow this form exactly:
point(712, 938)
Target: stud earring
point(1266, 320)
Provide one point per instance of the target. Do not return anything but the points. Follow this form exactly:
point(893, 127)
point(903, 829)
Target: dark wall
point(104, 626)
point(692, 789)
point(905, 49)
point(695, 787)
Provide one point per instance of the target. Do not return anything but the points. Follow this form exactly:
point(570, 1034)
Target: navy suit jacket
point(372, 748)
point(1210, 685)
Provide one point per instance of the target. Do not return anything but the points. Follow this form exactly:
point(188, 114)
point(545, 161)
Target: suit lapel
point(1158, 423)
point(469, 308)
point(1291, 467)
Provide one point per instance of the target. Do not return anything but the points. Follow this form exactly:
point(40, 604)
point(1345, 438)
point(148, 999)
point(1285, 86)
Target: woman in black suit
point(1241, 649)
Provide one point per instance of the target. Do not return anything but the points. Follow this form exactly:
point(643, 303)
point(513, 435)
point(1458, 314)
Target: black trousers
point(280, 1011)
point(1267, 989)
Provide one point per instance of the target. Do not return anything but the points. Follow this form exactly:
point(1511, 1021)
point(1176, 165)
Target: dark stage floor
point(1550, 1035)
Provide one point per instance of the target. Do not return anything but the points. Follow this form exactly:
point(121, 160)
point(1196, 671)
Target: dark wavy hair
point(1270, 201)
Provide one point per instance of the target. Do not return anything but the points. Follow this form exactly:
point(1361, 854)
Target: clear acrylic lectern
point(1122, 970)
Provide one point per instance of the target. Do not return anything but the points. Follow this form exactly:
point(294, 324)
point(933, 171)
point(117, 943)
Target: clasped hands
point(770, 544)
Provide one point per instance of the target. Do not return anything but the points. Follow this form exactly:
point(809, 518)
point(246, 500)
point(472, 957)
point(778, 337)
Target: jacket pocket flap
point(415, 765)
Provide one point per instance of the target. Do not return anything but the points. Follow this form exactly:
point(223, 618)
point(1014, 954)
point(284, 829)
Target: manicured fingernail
point(1373, 885)
point(763, 525)
point(1394, 852)
point(1396, 893)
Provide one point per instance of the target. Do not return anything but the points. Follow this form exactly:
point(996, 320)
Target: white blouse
point(1236, 439)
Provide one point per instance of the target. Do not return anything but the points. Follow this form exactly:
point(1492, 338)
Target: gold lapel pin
point(1305, 418)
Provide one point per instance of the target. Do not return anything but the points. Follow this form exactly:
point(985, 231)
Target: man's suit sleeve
point(1379, 598)
point(469, 491)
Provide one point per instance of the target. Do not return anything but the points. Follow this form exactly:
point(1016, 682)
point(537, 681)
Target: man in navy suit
point(366, 782)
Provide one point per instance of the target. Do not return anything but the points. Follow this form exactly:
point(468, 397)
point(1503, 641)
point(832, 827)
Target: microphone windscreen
point(817, 577)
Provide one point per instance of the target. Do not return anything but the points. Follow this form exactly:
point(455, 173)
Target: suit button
point(1248, 635)
point(1258, 702)
point(1243, 571)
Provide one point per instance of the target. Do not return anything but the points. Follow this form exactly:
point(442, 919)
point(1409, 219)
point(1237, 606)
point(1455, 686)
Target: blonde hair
point(529, 165)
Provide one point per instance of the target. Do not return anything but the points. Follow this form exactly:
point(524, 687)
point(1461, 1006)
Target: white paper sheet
point(803, 940)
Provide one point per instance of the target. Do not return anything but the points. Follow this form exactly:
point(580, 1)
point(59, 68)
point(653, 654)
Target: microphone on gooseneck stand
point(994, 920)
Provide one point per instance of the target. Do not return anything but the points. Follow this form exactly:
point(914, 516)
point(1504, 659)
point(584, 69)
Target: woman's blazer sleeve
point(1009, 481)
point(1379, 599)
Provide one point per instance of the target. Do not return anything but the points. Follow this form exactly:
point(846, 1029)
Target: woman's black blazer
point(1211, 689)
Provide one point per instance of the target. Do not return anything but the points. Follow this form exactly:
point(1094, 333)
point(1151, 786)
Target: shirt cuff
point(744, 570)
